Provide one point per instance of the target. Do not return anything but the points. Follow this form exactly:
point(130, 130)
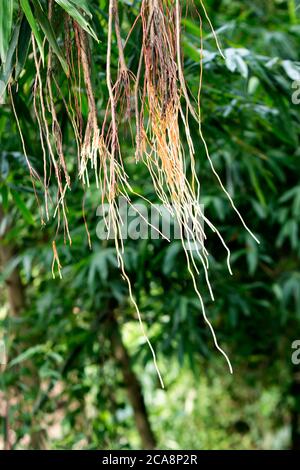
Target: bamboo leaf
point(33, 24)
point(6, 15)
point(49, 33)
point(72, 9)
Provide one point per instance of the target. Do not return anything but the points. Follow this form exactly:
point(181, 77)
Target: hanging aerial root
point(163, 106)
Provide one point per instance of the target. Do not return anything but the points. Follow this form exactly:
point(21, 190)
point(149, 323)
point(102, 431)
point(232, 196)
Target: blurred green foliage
point(62, 379)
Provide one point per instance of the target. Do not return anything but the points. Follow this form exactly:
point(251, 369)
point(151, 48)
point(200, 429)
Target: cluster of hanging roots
point(156, 98)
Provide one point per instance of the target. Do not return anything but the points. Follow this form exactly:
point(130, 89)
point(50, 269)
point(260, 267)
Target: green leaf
point(172, 253)
point(33, 24)
point(191, 51)
point(49, 33)
point(72, 9)
point(100, 263)
point(292, 7)
point(16, 55)
point(22, 207)
point(6, 15)
point(234, 61)
point(30, 352)
point(4, 197)
point(255, 184)
point(83, 4)
point(9, 268)
point(22, 46)
point(8, 66)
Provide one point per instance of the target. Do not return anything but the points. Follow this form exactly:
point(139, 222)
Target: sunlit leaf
point(22, 46)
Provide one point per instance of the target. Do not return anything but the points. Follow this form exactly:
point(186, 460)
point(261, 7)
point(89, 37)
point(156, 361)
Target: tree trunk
point(133, 387)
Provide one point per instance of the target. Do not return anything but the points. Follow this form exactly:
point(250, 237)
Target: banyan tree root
point(163, 108)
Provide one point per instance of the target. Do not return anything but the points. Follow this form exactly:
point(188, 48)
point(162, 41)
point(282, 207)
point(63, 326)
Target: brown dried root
point(89, 150)
point(163, 105)
point(117, 172)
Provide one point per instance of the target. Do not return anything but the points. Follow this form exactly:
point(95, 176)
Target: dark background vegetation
point(79, 374)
